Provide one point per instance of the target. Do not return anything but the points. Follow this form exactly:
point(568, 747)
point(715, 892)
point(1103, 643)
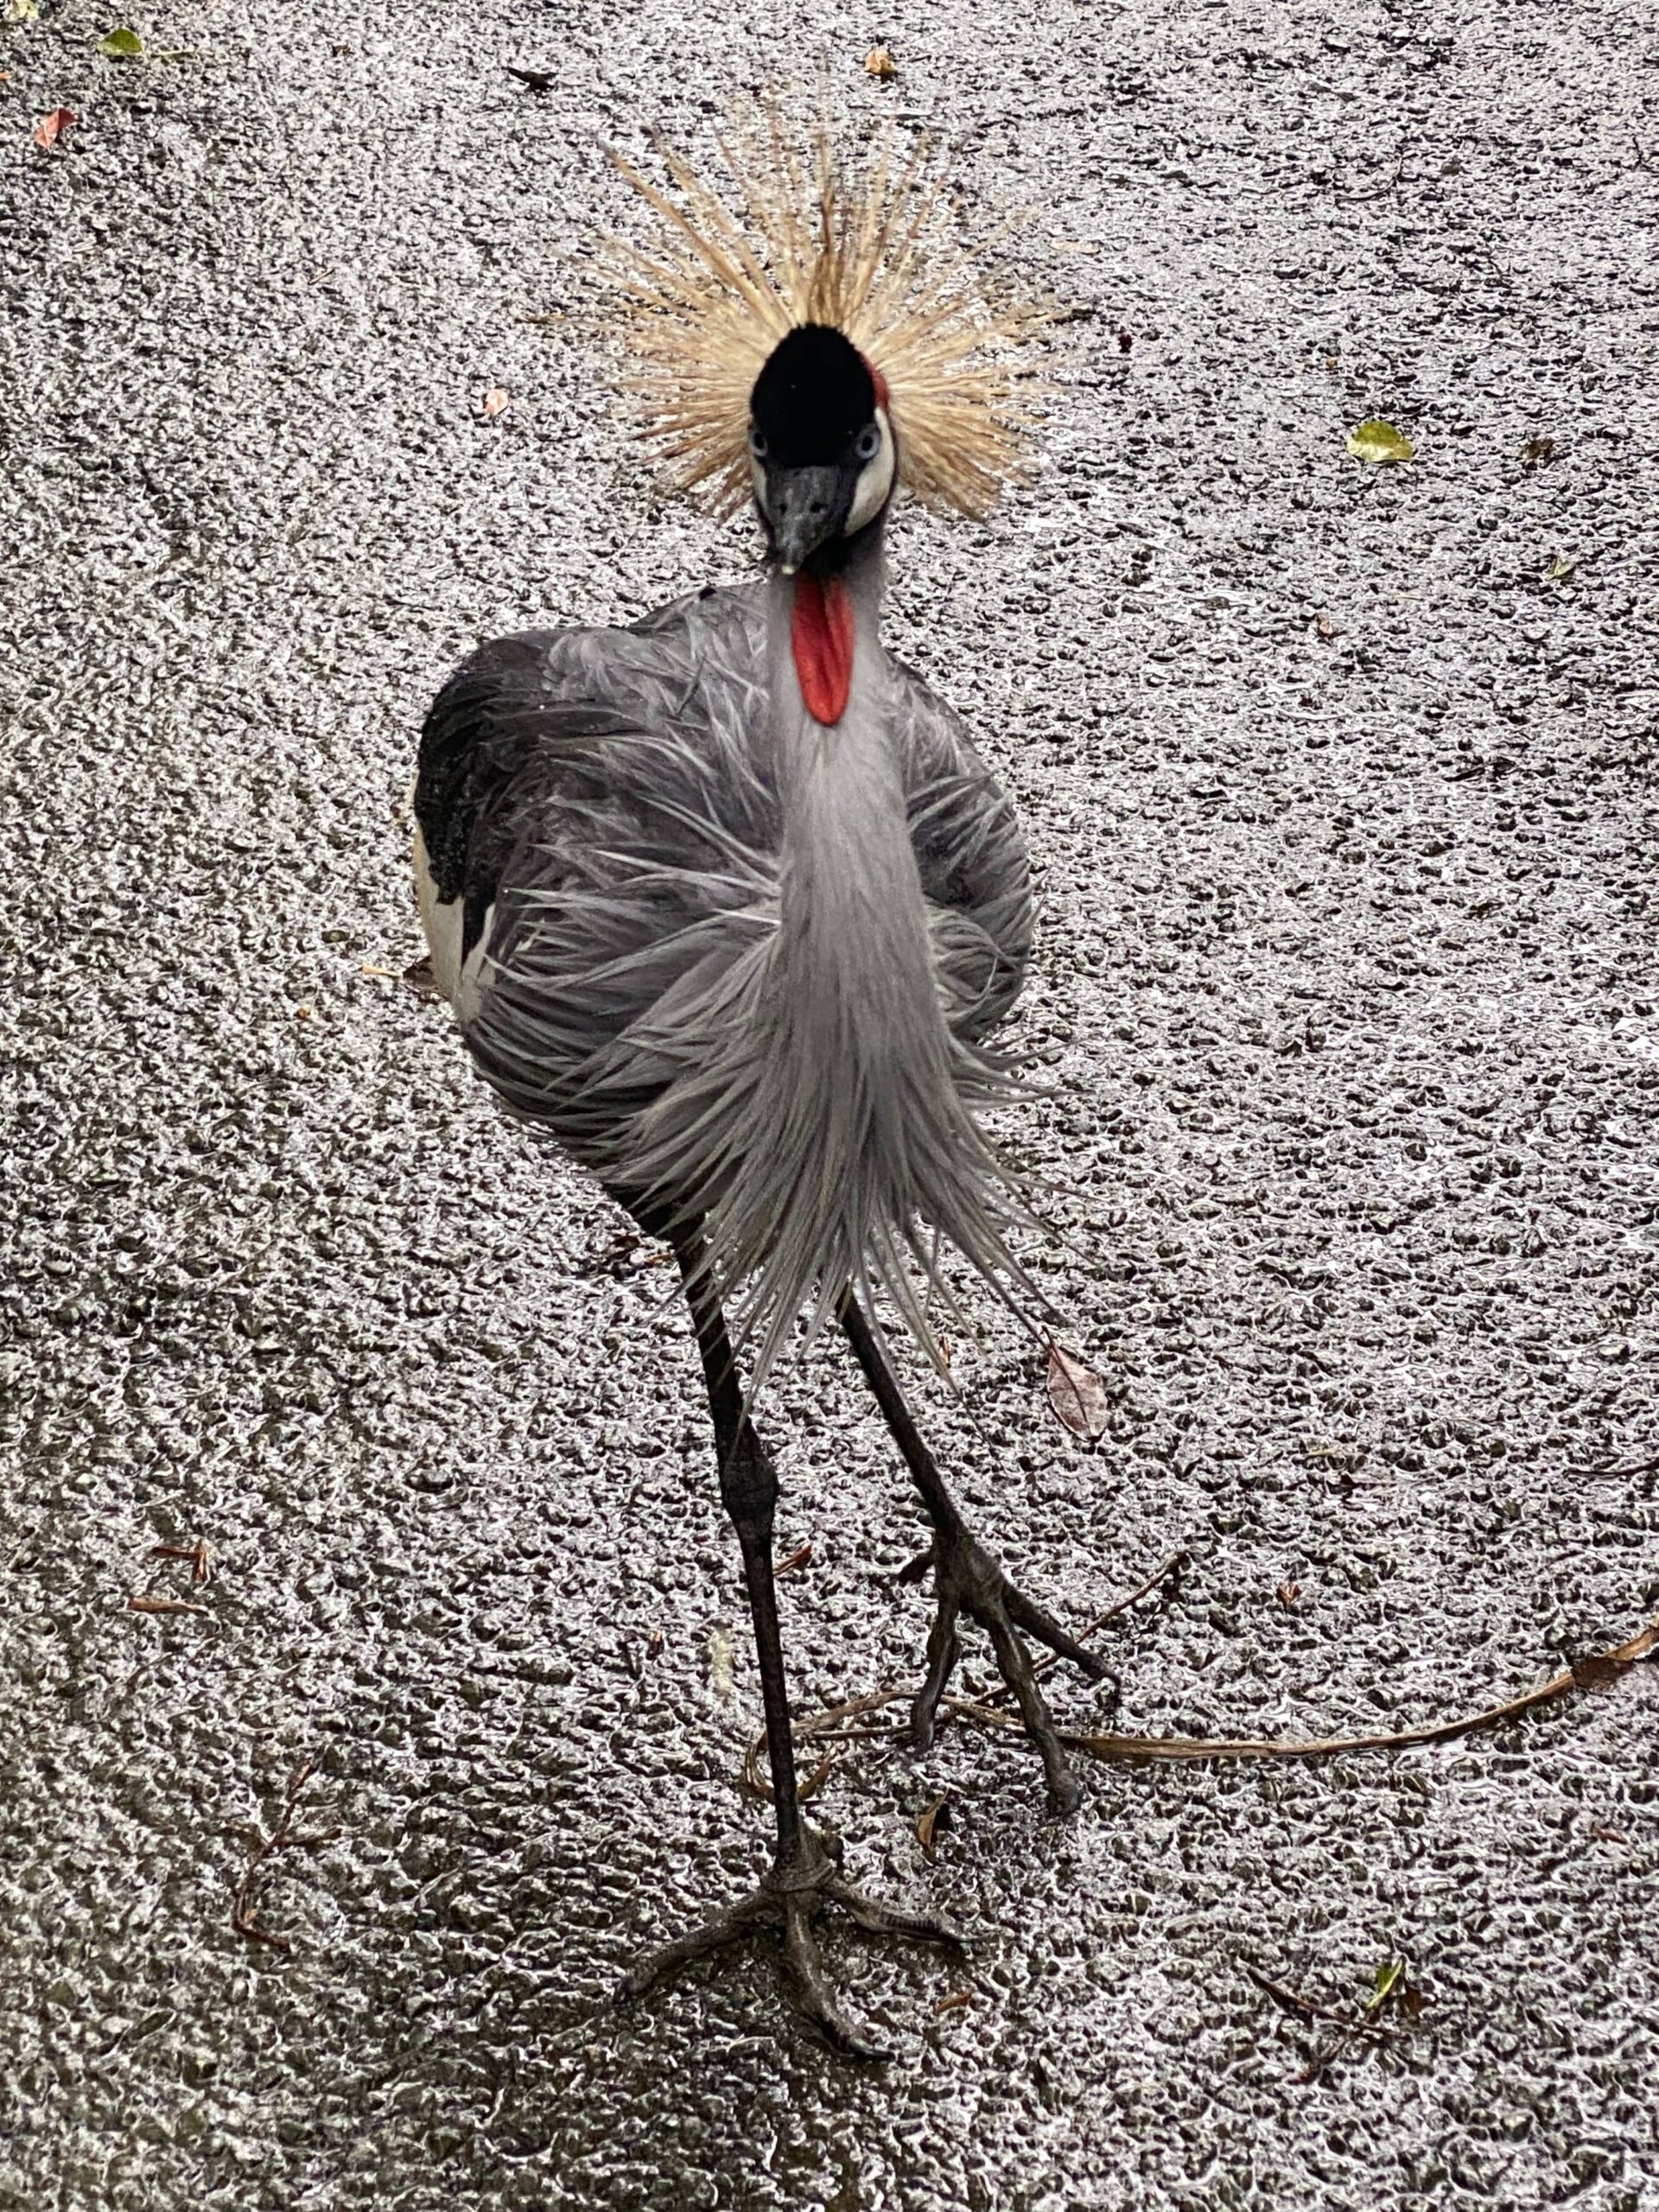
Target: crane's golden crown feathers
point(797, 237)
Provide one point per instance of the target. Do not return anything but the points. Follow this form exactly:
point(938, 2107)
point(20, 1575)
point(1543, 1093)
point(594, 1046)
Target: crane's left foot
point(789, 1901)
point(967, 1579)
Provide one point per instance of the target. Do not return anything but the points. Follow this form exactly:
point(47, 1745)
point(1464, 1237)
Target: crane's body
point(728, 902)
point(741, 967)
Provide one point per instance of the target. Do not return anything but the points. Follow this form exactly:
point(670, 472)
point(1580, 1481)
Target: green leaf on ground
point(1378, 441)
point(1563, 565)
point(123, 45)
point(1387, 1975)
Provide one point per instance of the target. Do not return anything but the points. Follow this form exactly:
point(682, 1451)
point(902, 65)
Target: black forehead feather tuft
point(812, 398)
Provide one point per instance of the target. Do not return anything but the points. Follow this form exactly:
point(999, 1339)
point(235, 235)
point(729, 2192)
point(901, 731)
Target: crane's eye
point(757, 444)
point(869, 443)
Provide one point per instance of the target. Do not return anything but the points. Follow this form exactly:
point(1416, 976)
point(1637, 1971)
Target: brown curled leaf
point(148, 1603)
point(932, 1824)
point(51, 128)
point(1076, 1395)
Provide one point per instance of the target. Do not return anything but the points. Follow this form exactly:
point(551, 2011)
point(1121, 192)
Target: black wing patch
point(484, 732)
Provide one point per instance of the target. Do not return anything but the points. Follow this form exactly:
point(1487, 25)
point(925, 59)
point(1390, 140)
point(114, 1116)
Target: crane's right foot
point(967, 1579)
point(788, 1900)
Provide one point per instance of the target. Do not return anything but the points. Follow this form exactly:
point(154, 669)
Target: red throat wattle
point(821, 631)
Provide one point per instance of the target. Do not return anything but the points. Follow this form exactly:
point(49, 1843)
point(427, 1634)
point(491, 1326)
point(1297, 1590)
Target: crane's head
point(822, 455)
point(816, 333)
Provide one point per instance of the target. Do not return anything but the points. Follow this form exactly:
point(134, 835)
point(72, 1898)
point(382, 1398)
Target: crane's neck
point(825, 1119)
point(833, 700)
point(854, 953)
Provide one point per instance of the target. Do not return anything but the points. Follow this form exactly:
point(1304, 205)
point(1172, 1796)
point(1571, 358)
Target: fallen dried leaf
point(1377, 441)
point(22, 11)
point(496, 402)
point(124, 45)
point(1287, 1593)
point(953, 2003)
point(1125, 341)
point(539, 80)
point(1537, 449)
point(1326, 628)
point(51, 128)
point(880, 64)
point(800, 1557)
point(1077, 1394)
point(147, 1603)
point(934, 1821)
point(1621, 1659)
point(1561, 568)
point(200, 1556)
point(722, 1677)
point(1601, 1666)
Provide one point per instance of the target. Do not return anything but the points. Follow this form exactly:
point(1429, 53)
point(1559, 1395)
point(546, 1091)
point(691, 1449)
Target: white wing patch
point(444, 922)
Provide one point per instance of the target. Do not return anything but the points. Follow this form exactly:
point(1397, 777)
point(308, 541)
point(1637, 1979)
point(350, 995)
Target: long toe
point(884, 1919)
point(1014, 1662)
point(944, 1650)
point(808, 1986)
point(714, 1934)
point(1031, 1620)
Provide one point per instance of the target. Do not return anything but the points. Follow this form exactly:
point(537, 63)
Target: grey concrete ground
point(1342, 785)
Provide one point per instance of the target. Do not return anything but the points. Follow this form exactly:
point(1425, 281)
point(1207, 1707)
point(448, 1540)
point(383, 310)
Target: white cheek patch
point(875, 480)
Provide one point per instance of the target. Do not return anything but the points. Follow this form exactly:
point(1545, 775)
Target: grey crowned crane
point(728, 901)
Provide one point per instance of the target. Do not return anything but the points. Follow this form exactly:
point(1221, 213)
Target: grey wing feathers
point(975, 873)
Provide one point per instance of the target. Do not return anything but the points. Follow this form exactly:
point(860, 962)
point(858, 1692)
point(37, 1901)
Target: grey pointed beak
point(805, 507)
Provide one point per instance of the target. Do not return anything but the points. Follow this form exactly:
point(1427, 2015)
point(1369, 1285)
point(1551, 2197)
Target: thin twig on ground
point(244, 1917)
point(1391, 1988)
point(1304, 2007)
point(1168, 1574)
point(1592, 1673)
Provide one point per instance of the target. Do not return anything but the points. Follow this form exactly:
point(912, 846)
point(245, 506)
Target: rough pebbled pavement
point(1342, 781)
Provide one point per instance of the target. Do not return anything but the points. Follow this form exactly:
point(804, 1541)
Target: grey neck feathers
point(862, 1133)
point(818, 1123)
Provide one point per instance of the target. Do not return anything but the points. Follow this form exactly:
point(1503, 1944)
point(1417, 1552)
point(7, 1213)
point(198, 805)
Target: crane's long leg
point(967, 1579)
point(804, 1875)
